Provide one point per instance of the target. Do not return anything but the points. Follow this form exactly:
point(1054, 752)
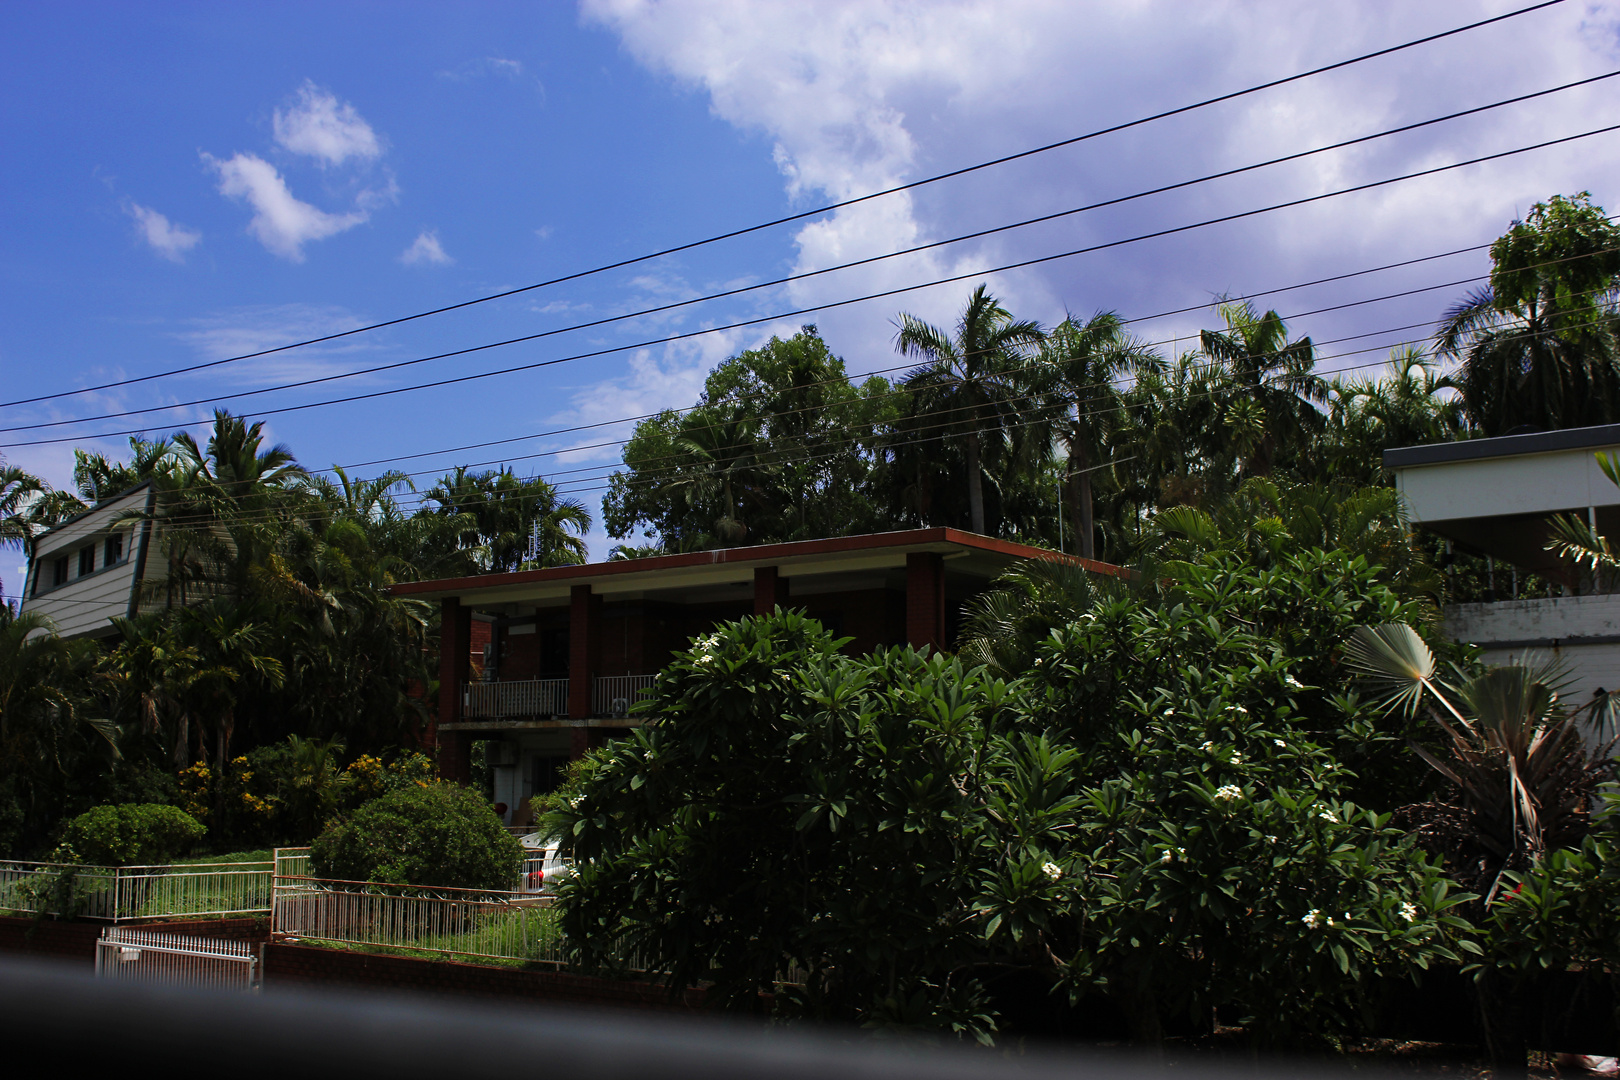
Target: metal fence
point(465, 922)
point(613, 696)
point(123, 893)
point(511, 924)
point(152, 956)
point(516, 697)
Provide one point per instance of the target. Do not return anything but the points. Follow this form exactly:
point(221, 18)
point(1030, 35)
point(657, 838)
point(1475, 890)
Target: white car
point(543, 865)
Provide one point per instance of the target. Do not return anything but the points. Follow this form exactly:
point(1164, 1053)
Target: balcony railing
point(613, 696)
point(519, 697)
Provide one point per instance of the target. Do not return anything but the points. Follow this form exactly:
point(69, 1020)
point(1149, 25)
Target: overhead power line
point(1221, 219)
point(791, 278)
point(879, 371)
point(827, 208)
point(915, 435)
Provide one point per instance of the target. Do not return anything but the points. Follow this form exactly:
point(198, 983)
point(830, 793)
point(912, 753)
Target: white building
point(91, 568)
point(1494, 498)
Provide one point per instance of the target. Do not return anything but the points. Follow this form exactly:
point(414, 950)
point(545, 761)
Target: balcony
point(611, 696)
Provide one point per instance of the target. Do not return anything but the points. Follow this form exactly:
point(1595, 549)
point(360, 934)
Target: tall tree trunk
point(1085, 527)
point(1088, 524)
point(975, 483)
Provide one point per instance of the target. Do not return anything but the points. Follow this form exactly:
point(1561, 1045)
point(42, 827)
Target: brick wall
point(77, 940)
point(302, 966)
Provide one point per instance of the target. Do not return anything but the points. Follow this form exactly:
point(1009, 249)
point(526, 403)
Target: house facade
point(541, 665)
point(1495, 498)
point(92, 568)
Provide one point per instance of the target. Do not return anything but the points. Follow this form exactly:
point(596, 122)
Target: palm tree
point(95, 477)
point(17, 491)
point(223, 510)
point(1412, 404)
point(973, 381)
point(1513, 753)
point(1005, 625)
point(1080, 367)
point(1270, 386)
point(501, 521)
point(38, 710)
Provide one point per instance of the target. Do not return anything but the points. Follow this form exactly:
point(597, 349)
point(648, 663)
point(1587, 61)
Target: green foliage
point(793, 806)
point(1221, 867)
point(778, 448)
point(1159, 812)
point(130, 834)
point(1538, 345)
point(1560, 913)
point(423, 835)
point(302, 783)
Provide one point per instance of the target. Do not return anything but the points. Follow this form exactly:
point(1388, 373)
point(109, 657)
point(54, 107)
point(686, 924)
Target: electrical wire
point(1210, 368)
point(1180, 110)
point(846, 302)
point(840, 444)
point(774, 283)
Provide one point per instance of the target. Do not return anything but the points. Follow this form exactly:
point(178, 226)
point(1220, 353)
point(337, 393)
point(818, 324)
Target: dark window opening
point(87, 561)
point(548, 774)
point(113, 551)
point(59, 572)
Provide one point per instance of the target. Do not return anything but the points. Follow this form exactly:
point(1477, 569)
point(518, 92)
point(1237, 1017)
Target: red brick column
point(925, 599)
point(770, 590)
point(582, 649)
point(455, 635)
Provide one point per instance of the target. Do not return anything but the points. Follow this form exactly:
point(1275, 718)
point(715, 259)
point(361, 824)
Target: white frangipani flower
point(1228, 792)
point(1052, 870)
point(1313, 919)
point(1409, 911)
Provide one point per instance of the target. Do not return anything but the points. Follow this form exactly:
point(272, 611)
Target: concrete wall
point(1581, 631)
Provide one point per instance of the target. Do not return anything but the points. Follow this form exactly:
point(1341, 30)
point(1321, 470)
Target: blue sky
point(188, 181)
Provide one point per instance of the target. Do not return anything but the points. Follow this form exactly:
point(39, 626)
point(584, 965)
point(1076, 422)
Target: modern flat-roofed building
point(92, 568)
point(1495, 498)
point(542, 664)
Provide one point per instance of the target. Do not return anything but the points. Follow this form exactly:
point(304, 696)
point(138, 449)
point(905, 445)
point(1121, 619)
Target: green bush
point(130, 834)
point(1159, 811)
point(430, 834)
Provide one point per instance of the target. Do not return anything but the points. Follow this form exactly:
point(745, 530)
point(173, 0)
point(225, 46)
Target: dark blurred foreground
point(68, 1023)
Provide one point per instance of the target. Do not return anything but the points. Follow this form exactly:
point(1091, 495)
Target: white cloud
point(322, 127)
point(281, 222)
point(426, 249)
point(498, 66)
point(239, 331)
point(861, 95)
point(167, 238)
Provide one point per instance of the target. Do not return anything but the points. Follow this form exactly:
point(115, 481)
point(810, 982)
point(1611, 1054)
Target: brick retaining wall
point(294, 966)
point(77, 940)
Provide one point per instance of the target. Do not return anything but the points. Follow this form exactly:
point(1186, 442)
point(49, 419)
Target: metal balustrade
point(613, 695)
point(515, 697)
point(610, 696)
point(124, 893)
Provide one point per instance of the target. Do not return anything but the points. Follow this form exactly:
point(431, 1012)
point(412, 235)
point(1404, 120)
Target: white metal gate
point(153, 956)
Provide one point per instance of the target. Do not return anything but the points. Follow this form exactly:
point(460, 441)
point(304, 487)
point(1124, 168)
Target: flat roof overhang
point(1495, 496)
point(965, 553)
